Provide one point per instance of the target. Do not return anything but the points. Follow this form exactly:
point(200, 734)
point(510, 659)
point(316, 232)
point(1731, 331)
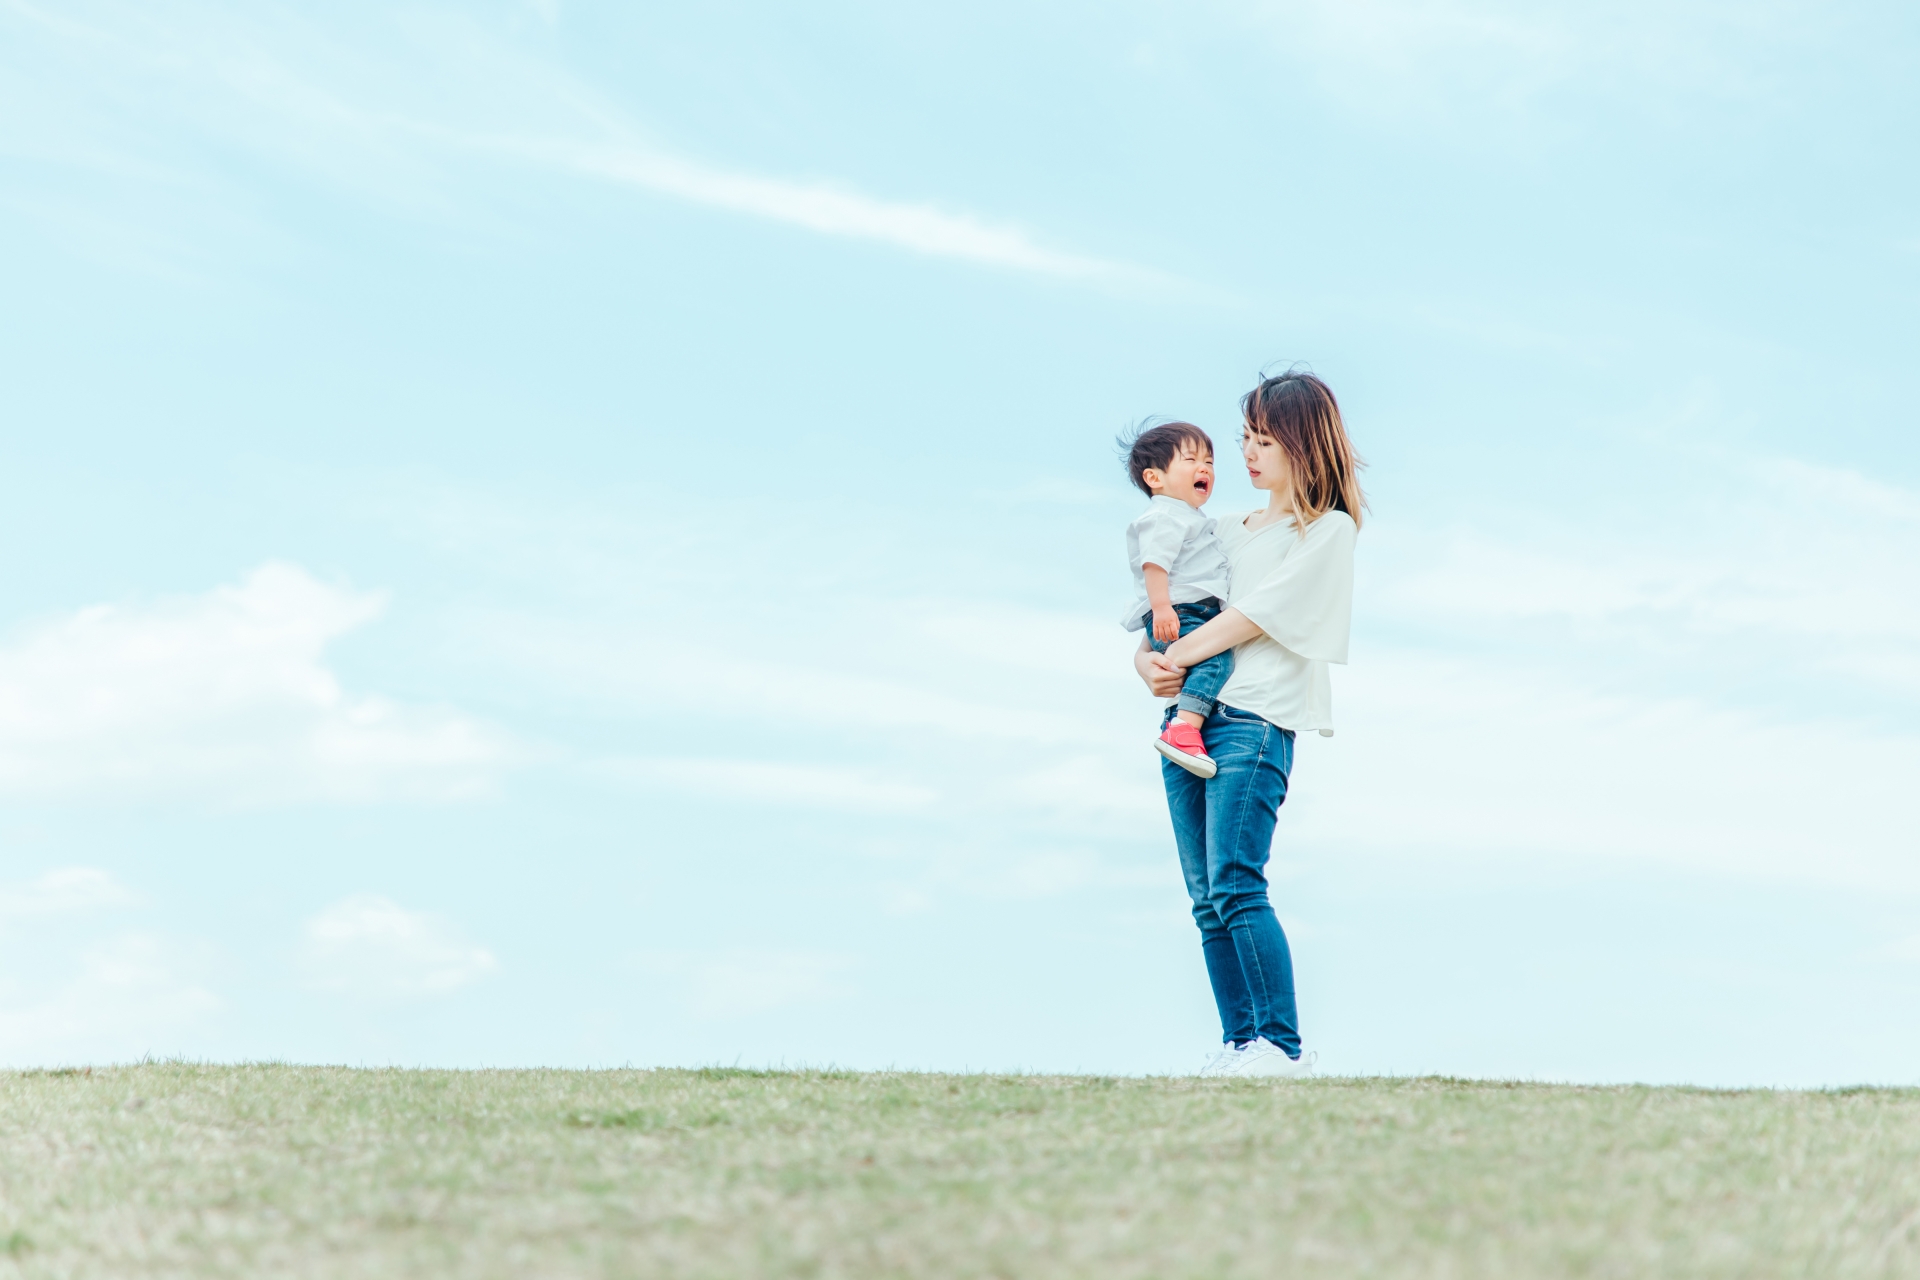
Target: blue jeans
point(1223, 826)
point(1204, 679)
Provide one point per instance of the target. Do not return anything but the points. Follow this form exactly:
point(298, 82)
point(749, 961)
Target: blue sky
point(583, 534)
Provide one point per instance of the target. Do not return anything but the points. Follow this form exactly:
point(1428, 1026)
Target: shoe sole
point(1199, 766)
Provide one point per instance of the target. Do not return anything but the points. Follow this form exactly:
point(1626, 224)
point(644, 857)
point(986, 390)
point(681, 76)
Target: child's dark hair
point(1157, 447)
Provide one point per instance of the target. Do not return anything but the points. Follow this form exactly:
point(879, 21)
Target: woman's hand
point(1162, 678)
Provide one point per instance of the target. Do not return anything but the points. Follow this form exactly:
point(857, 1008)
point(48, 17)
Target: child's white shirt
point(1180, 539)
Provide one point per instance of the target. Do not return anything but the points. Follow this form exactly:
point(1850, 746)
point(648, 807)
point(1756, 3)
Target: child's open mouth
point(1202, 485)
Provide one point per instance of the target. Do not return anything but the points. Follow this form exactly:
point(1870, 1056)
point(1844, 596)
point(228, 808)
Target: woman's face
point(1266, 461)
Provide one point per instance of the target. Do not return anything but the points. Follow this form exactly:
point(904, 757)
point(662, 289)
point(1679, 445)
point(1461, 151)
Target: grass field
point(171, 1169)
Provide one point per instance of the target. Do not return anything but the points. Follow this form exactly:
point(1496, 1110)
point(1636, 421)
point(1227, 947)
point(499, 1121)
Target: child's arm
point(1166, 623)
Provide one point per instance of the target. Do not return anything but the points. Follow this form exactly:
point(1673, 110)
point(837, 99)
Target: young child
point(1179, 572)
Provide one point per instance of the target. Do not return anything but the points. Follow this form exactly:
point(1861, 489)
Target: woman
point(1290, 598)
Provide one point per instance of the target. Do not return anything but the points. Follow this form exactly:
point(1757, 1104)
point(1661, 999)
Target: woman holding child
point(1284, 617)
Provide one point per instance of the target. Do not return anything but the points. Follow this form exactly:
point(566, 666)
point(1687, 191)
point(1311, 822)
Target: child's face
point(1189, 477)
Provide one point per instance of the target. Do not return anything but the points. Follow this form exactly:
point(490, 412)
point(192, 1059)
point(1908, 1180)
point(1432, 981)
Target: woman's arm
point(1230, 628)
point(1306, 603)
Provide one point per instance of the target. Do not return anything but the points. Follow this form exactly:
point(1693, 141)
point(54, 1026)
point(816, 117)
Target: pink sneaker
point(1181, 743)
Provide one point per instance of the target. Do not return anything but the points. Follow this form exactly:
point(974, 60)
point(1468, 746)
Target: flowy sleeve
point(1306, 603)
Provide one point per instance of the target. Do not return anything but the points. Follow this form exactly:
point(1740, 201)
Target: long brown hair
point(1297, 411)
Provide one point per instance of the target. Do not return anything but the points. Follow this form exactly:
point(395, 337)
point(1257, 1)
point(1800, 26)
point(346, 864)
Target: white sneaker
point(1220, 1062)
point(1264, 1058)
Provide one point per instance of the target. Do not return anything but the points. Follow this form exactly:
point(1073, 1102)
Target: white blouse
point(1299, 592)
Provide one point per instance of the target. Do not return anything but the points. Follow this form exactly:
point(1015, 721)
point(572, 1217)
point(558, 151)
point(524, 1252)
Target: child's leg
point(1180, 740)
point(1206, 678)
point(1201, 692)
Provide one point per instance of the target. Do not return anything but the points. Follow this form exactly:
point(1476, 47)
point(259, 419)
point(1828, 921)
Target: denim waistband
point(1237, 713)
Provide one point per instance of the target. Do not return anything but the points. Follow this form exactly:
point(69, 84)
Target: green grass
point(172, 1169)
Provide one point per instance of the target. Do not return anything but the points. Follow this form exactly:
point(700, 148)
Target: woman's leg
point(1242, 805)
point(1187, 805)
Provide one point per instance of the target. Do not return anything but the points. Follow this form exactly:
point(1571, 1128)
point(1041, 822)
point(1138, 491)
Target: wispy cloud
point(381, 111)
point(828, 208)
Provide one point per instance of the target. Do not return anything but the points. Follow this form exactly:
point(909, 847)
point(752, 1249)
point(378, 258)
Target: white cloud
point(827, 208)
point(131, 996)
point(773, 783)
point(63, 891)
point(370, 946)
point(224, 695)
